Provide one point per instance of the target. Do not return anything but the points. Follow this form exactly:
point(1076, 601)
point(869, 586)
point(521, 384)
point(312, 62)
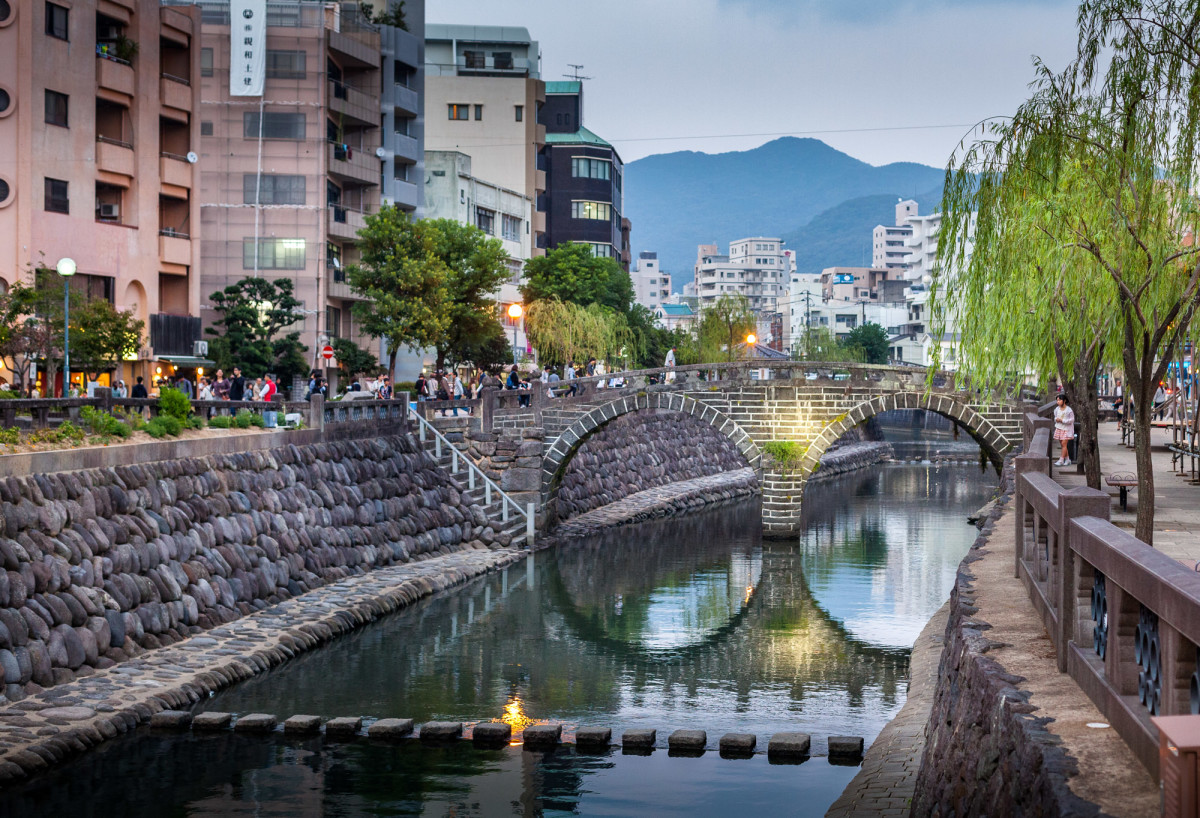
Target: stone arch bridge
point(751, 403)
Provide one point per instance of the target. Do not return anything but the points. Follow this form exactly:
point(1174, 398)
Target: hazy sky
point(721, 75)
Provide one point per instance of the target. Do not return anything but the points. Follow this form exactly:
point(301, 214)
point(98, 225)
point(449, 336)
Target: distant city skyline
point(883, 82)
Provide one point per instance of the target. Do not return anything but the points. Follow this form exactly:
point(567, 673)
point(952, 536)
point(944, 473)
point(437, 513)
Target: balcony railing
point(108, 140)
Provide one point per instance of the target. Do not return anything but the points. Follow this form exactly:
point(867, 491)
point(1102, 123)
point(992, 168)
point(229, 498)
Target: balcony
point(359, 165)
point(175, 170)
point(115, 75)
point(361, 47)
point(114, 156)
point(174, 247)
point(344, 223)
point(353, 103)
point(486, 64)
point(176, 96)
point(405, 147)
point(406, 100)
point(404, 194)
point(340, 289)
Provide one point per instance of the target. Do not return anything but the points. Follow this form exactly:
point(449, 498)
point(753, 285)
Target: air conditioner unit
point(199, 348)
point(110, 211)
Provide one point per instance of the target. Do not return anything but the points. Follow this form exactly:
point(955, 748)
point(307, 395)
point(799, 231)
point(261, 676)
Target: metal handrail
point(474, 473)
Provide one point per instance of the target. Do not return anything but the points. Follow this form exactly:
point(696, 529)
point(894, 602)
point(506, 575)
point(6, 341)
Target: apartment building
point(98, 131)
point(403, 127)
point(888, 243)
point(483, 93)
point(881, 285)
point(288, 177)
point(757, 267)
point(651, 284)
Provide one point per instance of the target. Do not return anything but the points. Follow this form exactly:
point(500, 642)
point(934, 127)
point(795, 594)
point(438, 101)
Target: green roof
point(581, 137)
point(568, 87)
point(676, 309)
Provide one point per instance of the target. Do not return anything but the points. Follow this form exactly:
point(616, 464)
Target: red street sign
point(327, 352)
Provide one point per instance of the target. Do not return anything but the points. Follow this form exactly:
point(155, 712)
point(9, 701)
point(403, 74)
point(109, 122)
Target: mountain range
point(823, 202)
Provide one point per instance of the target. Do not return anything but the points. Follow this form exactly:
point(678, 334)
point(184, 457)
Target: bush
point(164, 425)
point(257, 420)
point(67, 432)
point(10, 436)
point(103, 424)
point(174, 403)
point(242, 420)
point(194, 422)
point(787, 453)
point(220, 422)
point(133, 418)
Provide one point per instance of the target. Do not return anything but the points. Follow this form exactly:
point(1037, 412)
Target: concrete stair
point(515, 526)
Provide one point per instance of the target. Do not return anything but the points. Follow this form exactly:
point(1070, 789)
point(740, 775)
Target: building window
point(56, 21)
point(274, 189)
point(206, 128)
point(402, 171)
point(285, 65)
point(206, 62)
point(333, 322)
point(401, 74)
point(502, 60)
point(478, 112)
point(584, 168)
point(56, 108)
point(275, 125)
point(511, 227)
point(601, 211)
point(485, 220)
point(602, 250)
point(519, 110)
point(56, 196)
point(274, 254)
point(475, 59)
point(404, 125)
point(458, 111)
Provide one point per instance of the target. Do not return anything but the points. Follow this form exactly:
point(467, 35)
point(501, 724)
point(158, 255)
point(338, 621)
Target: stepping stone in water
point(491, 733)
point(171, 719)
point(211, 720)
point(344, 727)
point(736, 745)
point(441, 730)
point(789, 745)
point(542, 735)
point(638, 740)
point(687, 741)
point(845, 749)
point(254, 723)
point(390, 728)
point(300, 725)
point(593, 737)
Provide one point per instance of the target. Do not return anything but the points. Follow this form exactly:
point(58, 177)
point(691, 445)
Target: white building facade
point(757, 267)
point(651, 284)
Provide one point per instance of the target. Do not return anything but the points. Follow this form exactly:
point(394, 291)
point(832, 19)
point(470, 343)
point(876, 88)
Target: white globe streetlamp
point(66, 269)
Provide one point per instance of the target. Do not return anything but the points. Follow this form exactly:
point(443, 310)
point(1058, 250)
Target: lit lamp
point(515, 312)
point(66, 269)
point(751, 339)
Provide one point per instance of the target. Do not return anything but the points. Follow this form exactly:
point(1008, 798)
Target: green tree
point(477, 267)
point(251, 316)
point(563, 331)
point(102, 336)
point(404, 281)
point(353, 359)
point(723, 326)
point(487, 352)
point(571, 273)
point(872, 340)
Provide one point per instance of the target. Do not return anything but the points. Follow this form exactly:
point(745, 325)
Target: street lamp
point(66, 269)
point(751, 339)
point(515, 312)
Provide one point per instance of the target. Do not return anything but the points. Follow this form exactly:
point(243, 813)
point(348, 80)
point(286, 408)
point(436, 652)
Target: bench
point(1124, 482)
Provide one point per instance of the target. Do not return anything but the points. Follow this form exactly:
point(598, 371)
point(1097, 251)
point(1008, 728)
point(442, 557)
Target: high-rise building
point(482, 98)
point(288, 177)
point(98, 130)
point(757, 267)
point(403, 86)
point(651, 285)
point(888, 249)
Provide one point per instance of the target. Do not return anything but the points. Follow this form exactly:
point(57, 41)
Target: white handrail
point(474, 472)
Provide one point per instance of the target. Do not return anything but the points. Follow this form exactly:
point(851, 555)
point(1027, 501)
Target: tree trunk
point(392, 363)
point(1088, 447)
point(1143, 412)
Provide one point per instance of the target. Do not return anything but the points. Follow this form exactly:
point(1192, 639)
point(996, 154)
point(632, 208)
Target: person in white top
point(670, 364)
point(1064, 428)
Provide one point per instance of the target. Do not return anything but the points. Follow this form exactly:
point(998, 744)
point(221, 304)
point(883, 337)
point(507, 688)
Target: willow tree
point(723, 325)
point(562, 331)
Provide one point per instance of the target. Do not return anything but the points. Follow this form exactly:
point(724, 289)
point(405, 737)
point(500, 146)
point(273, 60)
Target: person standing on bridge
point(1064, 428)
point(670, 364)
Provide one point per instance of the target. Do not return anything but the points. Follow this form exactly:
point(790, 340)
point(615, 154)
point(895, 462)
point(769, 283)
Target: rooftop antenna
point(575, 75)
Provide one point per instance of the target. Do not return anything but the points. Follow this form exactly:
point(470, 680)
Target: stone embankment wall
point(512, 458)
point(639, 451)
point(103, 564)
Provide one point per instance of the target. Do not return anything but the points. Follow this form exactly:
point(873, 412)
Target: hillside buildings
point(97, 162)
point(757, 268)
point(888, 243)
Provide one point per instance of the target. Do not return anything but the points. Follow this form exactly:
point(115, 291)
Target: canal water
point(694, 622)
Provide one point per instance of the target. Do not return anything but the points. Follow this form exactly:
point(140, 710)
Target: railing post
point(1077, 502)
point(454, 455)
point(504, 510)
point(487, 493)
point(437, 447)
point(487, 407)
point(316, 412)
point(1030, 462)
point(529, 519)
point(104, 395)
point(471, 477)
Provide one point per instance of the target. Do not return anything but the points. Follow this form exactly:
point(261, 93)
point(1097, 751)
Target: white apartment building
point(651, 285)
point(888, 243)
point(810, 310)
point(757, 267)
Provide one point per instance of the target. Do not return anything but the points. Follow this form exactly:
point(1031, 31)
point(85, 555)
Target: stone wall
point(510, 457)
point(103, 564)
point(638, 451)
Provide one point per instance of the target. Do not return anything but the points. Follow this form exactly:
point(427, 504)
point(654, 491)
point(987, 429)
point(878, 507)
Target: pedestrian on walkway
point(1064, 428)
point(670, 364)
point(237, 385)
point(1160, 397)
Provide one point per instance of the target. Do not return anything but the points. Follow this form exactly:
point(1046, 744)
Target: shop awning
point(186, 361)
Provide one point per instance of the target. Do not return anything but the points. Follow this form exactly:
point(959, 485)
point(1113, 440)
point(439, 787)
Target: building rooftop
point(567, 87)
point(676, 310)
point(478, 34)
point(581, 137)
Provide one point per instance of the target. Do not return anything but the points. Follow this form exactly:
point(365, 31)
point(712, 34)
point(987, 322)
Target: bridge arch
point(555, 462)
point(990, 439)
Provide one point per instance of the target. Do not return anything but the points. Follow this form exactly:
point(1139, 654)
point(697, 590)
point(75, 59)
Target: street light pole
point(66, 269)
point(514, 312)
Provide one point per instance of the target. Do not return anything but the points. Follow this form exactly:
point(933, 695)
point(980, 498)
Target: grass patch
point(787, 454)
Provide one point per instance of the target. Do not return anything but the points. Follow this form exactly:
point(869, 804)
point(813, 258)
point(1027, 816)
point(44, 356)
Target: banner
point(247, 47)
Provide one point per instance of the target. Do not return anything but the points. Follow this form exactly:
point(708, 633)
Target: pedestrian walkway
point(1176, 502)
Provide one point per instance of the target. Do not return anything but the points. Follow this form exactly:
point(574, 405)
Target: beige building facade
point(98, 133)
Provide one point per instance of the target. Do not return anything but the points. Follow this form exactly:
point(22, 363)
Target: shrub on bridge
point(787, 454)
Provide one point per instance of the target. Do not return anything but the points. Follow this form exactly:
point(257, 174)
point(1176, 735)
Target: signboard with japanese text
point(247, 47)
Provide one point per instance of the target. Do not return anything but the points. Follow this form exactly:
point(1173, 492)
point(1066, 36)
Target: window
point(502, 60)
point(274, 189)
point(56, 108)
point(401, 74)
point(275, 125)
point(274, 254)
point(285, 64)
point(591, 210)
point(56, 196)
point(56, 21)
point(333, 322)
point(485, 220)
point(402, 171)
point(206, 128)
point(475, 59)
point(585, 168)
point(602, 250)
point(333, 261)
point(478, 112)
point(458, 111)
point(404, 125)
point(519, 110)
point(206, 62)
point(511, 227)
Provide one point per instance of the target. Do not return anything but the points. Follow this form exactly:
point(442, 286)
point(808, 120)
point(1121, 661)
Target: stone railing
point(1124, 618)
point(367, 410)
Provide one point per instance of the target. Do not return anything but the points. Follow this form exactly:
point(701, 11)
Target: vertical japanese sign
point(247, 47)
